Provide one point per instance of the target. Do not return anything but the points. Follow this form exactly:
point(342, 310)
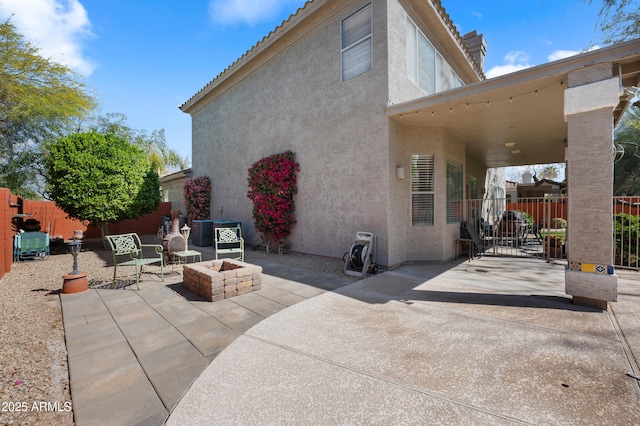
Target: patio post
point(590, 99)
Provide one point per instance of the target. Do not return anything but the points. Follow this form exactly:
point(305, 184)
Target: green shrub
point(527, 217)
point(558, 223)
point(627, 233)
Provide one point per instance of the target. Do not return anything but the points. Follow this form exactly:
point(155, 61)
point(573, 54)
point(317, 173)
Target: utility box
point(202, 233)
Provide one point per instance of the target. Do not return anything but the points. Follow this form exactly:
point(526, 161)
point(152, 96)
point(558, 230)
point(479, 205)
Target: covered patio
point(563, 111)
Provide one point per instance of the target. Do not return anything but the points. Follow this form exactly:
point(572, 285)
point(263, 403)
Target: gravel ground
point(33, 355)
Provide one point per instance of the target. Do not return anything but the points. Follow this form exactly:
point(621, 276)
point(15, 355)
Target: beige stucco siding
point(172, 191)
point(337, 129)
point(401, 88)
point(409, 243)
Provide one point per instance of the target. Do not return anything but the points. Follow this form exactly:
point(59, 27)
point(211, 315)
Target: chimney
point(477, 45)
point(526, 177)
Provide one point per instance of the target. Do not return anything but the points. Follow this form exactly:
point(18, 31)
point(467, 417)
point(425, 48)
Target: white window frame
point(455, 191)
point(422, 189)
point(355, 44)
point(440, 67)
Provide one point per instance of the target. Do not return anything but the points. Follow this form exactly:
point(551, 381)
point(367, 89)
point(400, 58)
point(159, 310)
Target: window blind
point(422, 189)
point(356, 44)
point(454, 191)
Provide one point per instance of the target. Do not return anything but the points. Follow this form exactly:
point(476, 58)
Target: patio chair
point(30, 245)
point(229, 240)
point(468, 232)
point(129, 244)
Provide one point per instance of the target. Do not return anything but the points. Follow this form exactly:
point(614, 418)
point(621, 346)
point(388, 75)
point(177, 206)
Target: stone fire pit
point(221, 279)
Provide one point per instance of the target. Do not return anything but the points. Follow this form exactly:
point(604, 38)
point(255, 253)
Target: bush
point(272, 185)
point(558, 223)
point(627, 233)
point(527, 217)
point(197, 198)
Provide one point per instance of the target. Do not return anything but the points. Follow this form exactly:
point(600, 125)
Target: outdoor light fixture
point(399, 172)
point(74, 249)
point(186, 231)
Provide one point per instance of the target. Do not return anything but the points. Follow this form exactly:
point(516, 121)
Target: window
point(425, 66)
point(454, 191)
point(422, 189)
point(356, 44)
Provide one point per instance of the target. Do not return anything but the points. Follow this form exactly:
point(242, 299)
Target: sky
point(144, 59)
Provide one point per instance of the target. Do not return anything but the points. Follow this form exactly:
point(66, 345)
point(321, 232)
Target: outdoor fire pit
point(221, 279)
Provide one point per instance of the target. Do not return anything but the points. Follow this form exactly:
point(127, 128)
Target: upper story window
point(425, 66)
point(356, 43)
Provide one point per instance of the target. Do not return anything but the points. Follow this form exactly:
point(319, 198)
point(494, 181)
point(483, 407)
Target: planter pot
point(555, 252)
point(75, 283)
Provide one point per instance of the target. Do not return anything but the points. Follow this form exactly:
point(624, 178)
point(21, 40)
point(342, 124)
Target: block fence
point(55, 222)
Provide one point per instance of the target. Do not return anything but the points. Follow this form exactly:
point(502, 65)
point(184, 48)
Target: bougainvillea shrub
point(272, 185)
point(197, 198)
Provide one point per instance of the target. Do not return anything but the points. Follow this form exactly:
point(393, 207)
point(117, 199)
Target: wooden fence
point(55, 222)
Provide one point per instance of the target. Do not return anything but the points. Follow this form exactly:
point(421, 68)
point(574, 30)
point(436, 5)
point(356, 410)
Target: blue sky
point(144, 59)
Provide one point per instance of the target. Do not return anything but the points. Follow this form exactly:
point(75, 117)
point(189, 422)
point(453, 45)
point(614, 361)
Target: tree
point(99, 178)
point(39, 99)
point(626, 170)
point(619, 20)
point(550, 171)
point(154, 145)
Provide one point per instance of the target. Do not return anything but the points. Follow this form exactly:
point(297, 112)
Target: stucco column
point(590, 99)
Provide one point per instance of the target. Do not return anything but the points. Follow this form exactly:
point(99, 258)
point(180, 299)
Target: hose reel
point(360, 259)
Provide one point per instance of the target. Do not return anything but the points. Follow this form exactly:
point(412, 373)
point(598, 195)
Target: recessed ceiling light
point(515, 151)
point(509, 144)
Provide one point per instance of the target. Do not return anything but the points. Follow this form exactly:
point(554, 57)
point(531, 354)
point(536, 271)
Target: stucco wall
point(401, 89)
point(172, 191)
point(474, 170)
point(337, 129)
point(421, 242)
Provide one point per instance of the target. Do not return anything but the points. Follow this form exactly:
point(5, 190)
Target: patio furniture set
point(128, 250)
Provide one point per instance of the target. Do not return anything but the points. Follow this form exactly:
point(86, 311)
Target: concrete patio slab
point(486, 342)
point(493, 341)
point(138, 405)
point(209, 337)
point(133, 354)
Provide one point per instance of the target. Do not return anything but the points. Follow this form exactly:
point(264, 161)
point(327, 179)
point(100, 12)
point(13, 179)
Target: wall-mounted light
point(399, 172)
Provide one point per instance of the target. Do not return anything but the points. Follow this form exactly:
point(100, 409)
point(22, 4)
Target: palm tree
point(155, 146)
point(549, 172)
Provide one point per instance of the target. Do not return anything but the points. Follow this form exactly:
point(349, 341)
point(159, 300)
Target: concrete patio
point(491, 341)
point(132, 354)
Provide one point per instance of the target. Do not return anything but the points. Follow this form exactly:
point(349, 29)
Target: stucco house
point(392, 121)
point(172, 185)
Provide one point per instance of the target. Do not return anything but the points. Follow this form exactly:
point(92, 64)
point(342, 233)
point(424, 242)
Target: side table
point(185, 255)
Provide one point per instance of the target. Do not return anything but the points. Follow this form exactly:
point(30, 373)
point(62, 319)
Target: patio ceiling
point(518, 118)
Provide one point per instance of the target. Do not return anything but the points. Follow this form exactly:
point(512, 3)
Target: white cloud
point(56, 27)
point(515, 61)
point(251, 12)
point(561, 54)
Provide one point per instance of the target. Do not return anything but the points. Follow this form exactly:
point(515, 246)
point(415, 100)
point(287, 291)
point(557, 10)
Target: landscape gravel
point(33, 355)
